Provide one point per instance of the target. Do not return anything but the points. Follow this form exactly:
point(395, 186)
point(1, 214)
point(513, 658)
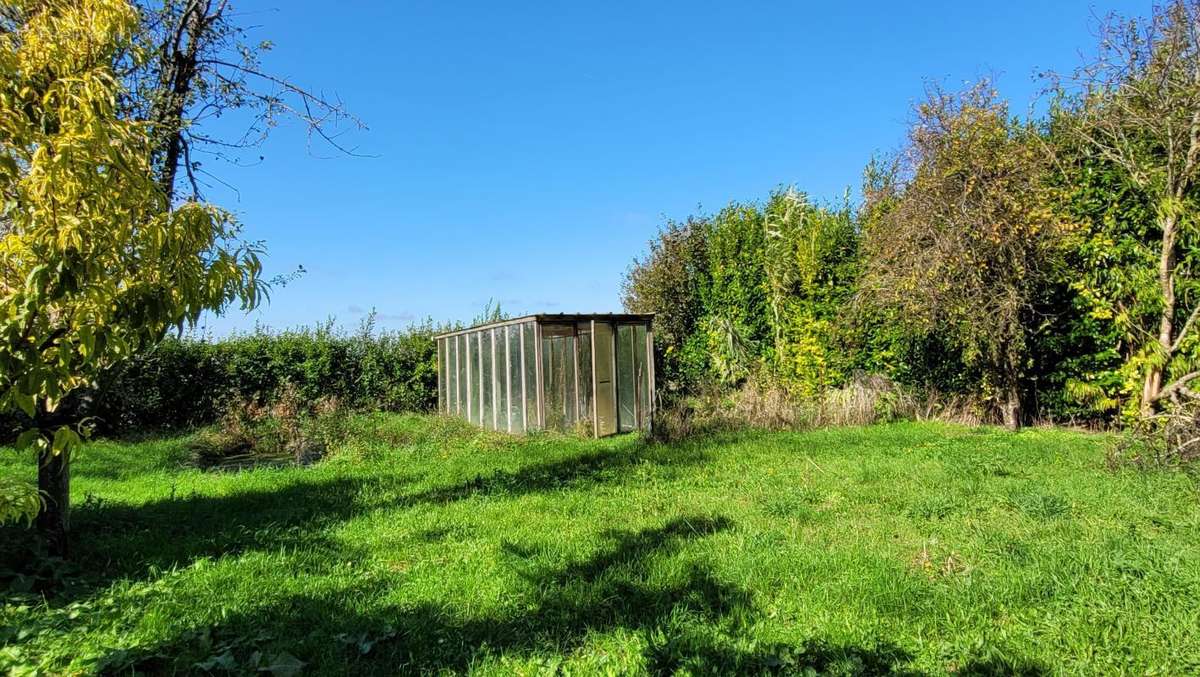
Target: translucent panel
point(641, 371)
point(441, 375)
point(473, 401)
point(606, 403)
point(447, 372)
point(516, 398)
point(460, 363)
point(486, 378)
point(529, 365)
point(583, 367)
point(558, 376)
point(552, 392)
point(626, 381)
point(570, 385)
point(501, 338)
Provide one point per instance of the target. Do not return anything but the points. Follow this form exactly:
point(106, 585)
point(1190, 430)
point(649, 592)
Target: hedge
point(186, 382)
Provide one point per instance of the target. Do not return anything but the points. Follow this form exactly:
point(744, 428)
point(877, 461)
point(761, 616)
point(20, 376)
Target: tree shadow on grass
point(580, 471)
point(118, 540)
point(689, 618)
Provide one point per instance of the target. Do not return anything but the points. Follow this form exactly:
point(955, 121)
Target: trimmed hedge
point(187, 382)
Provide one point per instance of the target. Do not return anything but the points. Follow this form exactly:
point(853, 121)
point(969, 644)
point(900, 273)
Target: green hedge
point(186, 382)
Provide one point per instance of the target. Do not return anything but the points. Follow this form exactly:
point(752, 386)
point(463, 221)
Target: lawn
point(424, 546)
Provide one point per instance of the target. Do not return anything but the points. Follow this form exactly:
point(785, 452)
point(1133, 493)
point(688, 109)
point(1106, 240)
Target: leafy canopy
point(95, 265)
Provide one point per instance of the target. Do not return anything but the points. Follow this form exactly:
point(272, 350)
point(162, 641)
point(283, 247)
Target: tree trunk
point(54, 481)
point(178, 56)
point(1011, 407)
point(1152, 386)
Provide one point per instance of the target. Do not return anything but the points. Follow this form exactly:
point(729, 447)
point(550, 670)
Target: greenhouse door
point(605, 385)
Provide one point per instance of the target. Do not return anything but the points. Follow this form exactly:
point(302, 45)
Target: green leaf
point(26, 439)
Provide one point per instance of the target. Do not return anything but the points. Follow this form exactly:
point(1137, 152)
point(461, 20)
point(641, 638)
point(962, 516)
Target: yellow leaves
point(93, 266)
point(63, 36)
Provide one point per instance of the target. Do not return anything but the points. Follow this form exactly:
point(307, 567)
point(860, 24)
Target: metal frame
point(575, 365)
point(616, 391)
point(508, 379)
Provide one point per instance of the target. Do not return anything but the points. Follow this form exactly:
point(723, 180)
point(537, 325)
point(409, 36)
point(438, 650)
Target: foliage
point(751, 288)
point(969, 239)
point(94, 265)
point(288, 430)
point(428, 552)
point(19, 501)
point(1127, 132)
point(189, 381)
point(810, 261)
point(667, 281)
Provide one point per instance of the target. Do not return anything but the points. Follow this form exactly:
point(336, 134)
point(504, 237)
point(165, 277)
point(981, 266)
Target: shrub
point(188, 382)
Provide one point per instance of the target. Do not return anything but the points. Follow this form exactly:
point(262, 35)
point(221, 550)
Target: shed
point(592, 374)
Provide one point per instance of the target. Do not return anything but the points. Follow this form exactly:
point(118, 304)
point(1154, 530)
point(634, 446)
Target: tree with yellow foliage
point(95, 264)
point(966, 235)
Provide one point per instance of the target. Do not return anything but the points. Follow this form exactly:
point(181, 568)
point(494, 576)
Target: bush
point(187, 382)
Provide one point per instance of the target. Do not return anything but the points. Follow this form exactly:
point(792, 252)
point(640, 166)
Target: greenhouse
point(591, 374)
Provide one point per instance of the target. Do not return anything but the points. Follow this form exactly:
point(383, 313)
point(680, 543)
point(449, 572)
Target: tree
point(203, 65)
point(668, 282)
point(95, 265)
point(967, 236)
point(1135, 110)
point(810, 259)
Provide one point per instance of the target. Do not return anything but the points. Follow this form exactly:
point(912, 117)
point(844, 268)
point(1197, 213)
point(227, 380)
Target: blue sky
point(526, 152)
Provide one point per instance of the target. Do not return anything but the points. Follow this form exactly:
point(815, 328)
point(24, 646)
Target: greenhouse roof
point(556, 317)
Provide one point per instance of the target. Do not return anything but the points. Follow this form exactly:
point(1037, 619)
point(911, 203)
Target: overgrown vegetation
point(1035, 269)
point(423, 545)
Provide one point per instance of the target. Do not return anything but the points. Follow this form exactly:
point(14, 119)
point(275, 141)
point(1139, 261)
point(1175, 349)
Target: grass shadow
point(580, 472)
point(118, 540)
point(691, 622)
point(609, 590)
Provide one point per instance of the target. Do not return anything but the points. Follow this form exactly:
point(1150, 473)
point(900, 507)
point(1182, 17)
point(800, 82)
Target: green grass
point(426, 547)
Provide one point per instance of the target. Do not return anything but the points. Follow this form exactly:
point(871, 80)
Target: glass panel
point(552, 383)
point(460, 363)
point(570, 413)
point(501, 371)
point(473, 378)
point(485, 378)
point(558, 375)
point(606, 407)
point(530, 367)
point(625, 379)
point(441, 375)
point(642, 373)
point(514, 379)
point(583, 366)
point(446, 374)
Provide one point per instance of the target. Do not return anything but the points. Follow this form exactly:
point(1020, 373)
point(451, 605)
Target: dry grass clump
point(865, 400)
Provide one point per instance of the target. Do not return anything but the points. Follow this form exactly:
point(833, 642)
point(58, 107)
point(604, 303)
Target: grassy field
point(426, 547)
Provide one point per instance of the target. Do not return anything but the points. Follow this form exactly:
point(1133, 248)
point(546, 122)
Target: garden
point(945, 425)
point(422, 544)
